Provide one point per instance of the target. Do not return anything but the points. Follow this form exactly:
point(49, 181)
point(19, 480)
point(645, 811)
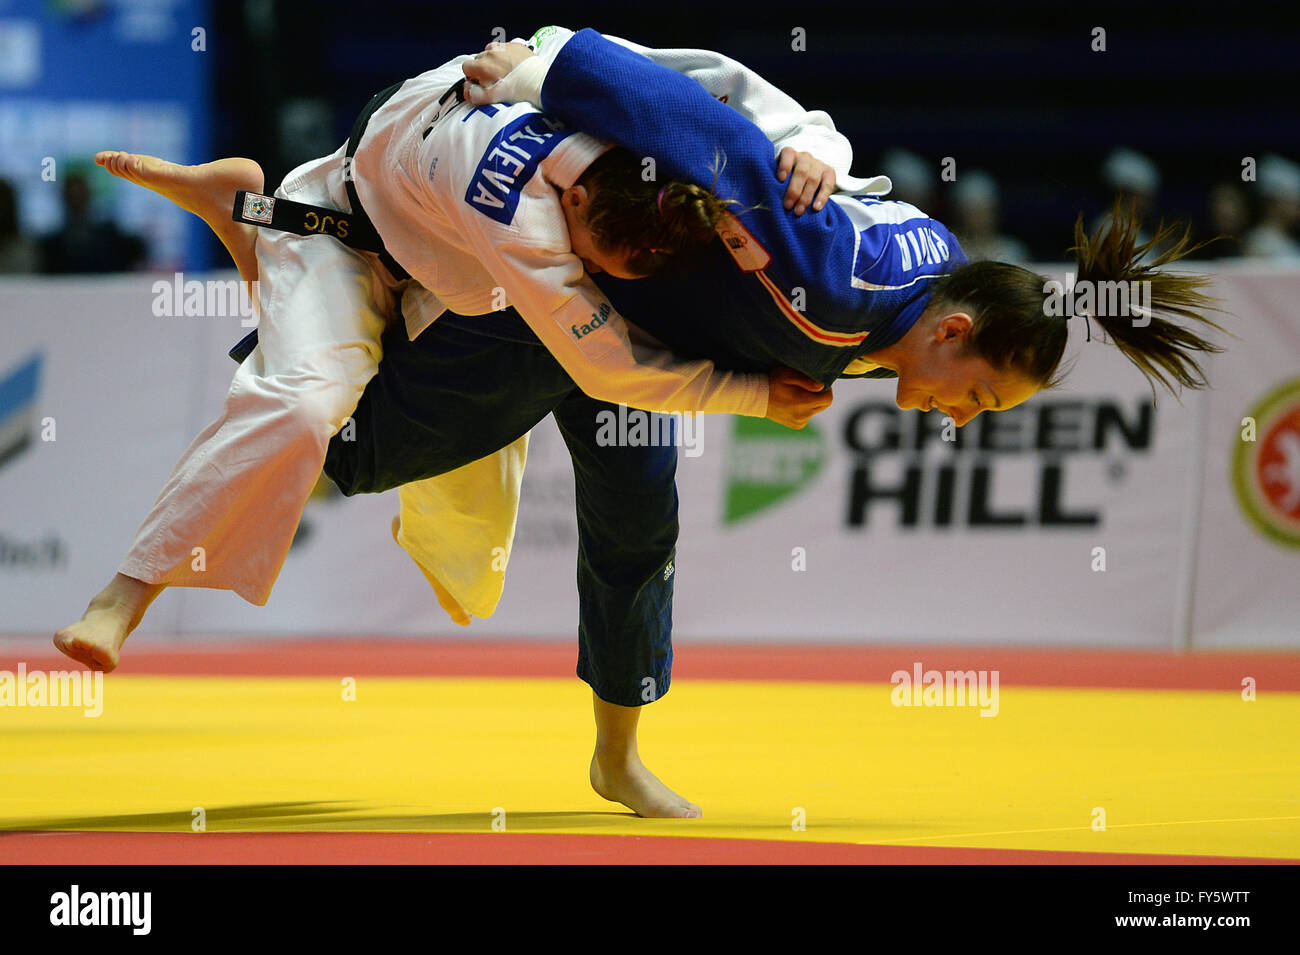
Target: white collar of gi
point(571, 157)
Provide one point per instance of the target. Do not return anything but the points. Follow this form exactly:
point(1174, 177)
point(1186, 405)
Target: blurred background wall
point(1193, 118)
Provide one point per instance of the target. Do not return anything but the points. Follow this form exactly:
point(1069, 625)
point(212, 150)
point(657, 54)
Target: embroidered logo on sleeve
point(509, 162)
point(541, 36)
point(598, 320)
point(744, 247)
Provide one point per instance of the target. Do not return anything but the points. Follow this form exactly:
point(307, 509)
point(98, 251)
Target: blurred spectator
point(1228, 215)
point(17, 252)
point(912, 177)
point(85, 243)
point(1279, 192)
point(1133, 179)
point(975, 195)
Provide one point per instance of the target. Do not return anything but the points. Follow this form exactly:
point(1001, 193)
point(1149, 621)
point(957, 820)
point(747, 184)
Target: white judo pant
point(227, 515)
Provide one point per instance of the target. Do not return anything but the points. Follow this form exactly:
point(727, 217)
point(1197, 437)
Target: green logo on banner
point(769, 462)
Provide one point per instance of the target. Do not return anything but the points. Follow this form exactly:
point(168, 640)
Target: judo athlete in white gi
point(430, 176)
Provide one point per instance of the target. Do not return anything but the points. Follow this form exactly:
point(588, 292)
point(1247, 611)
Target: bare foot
point(208, 191)
point(96, 639)
point(458, 614)
point(626, 780)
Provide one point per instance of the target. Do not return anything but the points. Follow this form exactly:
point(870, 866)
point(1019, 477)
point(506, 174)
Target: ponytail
point(1163, 350)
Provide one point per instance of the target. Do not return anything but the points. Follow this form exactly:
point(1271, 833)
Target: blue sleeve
point(621, 96)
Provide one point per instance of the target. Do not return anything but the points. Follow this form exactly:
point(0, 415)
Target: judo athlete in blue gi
point(882, 291)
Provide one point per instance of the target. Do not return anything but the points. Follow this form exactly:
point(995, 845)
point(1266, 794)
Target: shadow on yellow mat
point(1081, 770)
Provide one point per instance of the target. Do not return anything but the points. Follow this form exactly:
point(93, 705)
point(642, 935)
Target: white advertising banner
point(1089, 516)
point(1054, 522)
point(1247, 568)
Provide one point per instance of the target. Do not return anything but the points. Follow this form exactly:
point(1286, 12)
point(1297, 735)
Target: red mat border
point(1121, 669)
point(393, 848)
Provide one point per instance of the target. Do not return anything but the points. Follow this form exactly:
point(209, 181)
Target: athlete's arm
point(807, 144)
point(594, 344)
point(813, 155)
point(609, 91)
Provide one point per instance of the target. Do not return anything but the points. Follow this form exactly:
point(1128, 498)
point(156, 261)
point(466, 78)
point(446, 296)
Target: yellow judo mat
point(1152, 771)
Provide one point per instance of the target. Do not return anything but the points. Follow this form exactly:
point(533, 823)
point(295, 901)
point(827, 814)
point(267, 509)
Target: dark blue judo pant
point(468, 386)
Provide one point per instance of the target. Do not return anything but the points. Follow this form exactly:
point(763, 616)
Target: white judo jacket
point(466, 200)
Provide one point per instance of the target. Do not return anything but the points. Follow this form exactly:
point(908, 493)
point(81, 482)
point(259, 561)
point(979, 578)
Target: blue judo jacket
point(815, 292)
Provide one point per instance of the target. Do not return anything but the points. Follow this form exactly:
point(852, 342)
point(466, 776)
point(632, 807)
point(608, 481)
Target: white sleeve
point(779, 116)
point(593, 343)
point(547, 285)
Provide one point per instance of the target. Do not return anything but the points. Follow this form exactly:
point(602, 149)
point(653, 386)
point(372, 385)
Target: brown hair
point(657, 226)
point(1014, 329)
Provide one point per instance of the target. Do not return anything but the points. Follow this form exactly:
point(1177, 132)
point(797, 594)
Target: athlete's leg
point(228, 513)
point(616, 770)
point(208, 191)
point(445, 520)
point(449, 394)
point(435, 512)
point(627, 535)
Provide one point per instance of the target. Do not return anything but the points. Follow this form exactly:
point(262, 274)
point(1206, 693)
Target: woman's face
point(937, 371)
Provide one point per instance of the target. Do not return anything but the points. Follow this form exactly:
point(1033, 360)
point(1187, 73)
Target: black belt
point(354, 229)
point(359, 128)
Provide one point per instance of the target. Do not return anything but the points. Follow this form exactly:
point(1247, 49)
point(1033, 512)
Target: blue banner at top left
point(78, 76)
